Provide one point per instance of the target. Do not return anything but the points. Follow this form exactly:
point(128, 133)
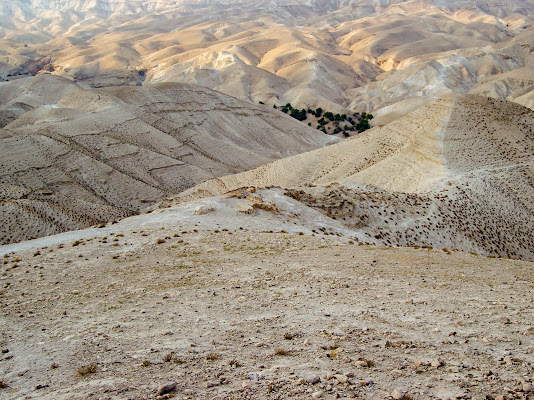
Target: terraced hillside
point(81, 157)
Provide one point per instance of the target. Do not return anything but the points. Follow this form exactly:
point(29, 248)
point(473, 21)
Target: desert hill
point(456, 173)
point(164, 235)
point(350, 55)
point(71, 157)
point(109, 118)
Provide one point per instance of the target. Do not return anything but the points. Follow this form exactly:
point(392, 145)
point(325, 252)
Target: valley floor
point(234, 314)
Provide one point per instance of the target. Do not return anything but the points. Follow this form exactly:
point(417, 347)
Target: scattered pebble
point(167, 388)
point(313, 379)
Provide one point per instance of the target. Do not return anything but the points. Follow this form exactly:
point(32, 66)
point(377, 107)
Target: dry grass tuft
point(281, 352)
point(213, 356)
point(171, 358)
point(288, 336)
point(370, 363)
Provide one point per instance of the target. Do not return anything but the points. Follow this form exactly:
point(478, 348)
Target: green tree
point(363, 125)
point(299, 114)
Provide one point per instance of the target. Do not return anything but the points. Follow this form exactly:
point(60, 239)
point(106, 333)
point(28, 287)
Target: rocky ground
point(236, 314)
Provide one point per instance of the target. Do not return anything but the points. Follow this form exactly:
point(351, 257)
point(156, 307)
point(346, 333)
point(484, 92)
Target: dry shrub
point(281, 352)
point(213, 357)
point(87, 369)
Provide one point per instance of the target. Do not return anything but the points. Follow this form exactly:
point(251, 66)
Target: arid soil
point(236, 314)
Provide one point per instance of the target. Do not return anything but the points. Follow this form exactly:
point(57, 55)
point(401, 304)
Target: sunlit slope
point(388, 57)
point(456, 173)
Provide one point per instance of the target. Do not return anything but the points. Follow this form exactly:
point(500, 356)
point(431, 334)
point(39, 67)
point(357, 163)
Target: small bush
point(87, 369)
point(281, 352)
point(234, 363)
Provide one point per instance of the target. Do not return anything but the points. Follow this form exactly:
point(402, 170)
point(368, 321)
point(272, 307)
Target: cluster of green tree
point(329, 119)
point(301, 115)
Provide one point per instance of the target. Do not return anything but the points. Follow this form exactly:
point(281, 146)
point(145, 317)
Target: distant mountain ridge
point(388, 57)
point(352, 8)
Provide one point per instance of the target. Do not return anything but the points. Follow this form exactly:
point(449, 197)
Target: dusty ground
point(251, 315)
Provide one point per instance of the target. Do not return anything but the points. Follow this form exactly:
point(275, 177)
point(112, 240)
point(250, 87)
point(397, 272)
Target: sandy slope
point(80, 157)
point(457, 173)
